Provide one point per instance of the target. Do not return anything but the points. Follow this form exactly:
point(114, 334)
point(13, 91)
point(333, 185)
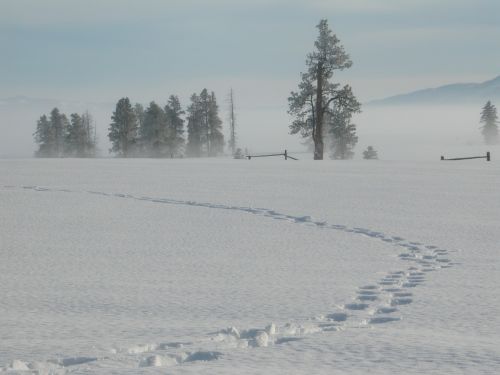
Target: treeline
point(160, 131)
point(59, 137)
point(156, 131)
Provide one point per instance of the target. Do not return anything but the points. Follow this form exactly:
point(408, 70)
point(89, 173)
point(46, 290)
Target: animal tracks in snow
point(372, 305)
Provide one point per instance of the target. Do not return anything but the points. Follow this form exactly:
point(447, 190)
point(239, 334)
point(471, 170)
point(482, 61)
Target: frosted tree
point(80, 138)
point(204, 126)
point(139, 114)
point(90, 135)
point(76, 137)
point(489, 119)
point(123, 129)
point(341, 129)
point(309, 105)
point(232, 125)
point(59, 124)
point(58, 137)
point(214, 123)
point(154, 132)
point(194, 127)
point(174, 113)
point(203, 108)
point(370, 153)
point(45, 138)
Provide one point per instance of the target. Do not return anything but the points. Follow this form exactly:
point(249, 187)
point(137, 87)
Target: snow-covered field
point(248, 267)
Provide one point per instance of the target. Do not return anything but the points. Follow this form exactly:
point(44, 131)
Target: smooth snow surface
point(247, 267)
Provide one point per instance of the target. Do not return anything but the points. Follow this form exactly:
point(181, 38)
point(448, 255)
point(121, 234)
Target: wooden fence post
point(488, 158)
point(286, 156)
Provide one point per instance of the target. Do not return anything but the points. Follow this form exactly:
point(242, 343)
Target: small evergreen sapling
point(370, 153)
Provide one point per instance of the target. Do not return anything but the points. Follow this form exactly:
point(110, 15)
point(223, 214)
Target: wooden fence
point(487, 157)
point(285, 154)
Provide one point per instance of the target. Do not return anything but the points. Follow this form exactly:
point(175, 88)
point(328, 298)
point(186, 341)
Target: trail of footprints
point(375, 304)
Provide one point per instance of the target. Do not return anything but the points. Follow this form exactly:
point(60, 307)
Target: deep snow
point(235, 266)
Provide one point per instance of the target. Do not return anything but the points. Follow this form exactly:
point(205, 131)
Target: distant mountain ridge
point(457, 93)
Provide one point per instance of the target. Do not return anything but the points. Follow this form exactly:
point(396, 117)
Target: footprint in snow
point(356, 306)
point(363, 297)
point(402, 294)
point(401, 301)
point(386, 310)
point(383, 319)
point(337, 317)
point(368, 292)
point(369, 287)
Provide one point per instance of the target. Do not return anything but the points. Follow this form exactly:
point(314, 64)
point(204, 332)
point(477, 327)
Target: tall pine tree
point(232, 124)
point(123, 129)
point(204, 108)
point(59, 124)
point(205, 136)
point(154, 132)
point(174, 113)
point(76, 137)
point(194, 127)
point(316, 93)
point(90, 135)
point(214, 123)
point(45, 138)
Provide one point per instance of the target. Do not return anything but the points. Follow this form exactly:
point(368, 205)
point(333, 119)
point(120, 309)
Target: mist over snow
point(422, 133)
point(412, 132)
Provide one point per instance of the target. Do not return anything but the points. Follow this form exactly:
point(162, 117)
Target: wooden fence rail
point(285, 154)
point(487, 157)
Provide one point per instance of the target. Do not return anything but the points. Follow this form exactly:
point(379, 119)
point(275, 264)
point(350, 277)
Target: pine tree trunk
point(318, 138)
point(318, 150)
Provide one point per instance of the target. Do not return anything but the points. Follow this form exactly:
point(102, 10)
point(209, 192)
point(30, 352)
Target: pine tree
point(139, 114)
point(316, 93)
point(194, 127)
point(344, 140)
point(45, 138)
point(90, 136)
point(174, 113)
point(80, 138)
point(123, 129)
point(342, 130)
point(370, 153)
point(204, 108)
point(154, 131)
point(214, 123)
point(59, 124)
point(232, 125)
point(76, 137)
point(59, 137)
point(204, 126)
point(489, 119)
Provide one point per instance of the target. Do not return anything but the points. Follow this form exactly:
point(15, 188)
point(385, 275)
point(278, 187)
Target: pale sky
point(101, 50)
point(97, 51)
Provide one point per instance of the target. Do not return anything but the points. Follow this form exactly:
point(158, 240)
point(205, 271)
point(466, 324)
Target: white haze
point(397, 133)
point(421, 133)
